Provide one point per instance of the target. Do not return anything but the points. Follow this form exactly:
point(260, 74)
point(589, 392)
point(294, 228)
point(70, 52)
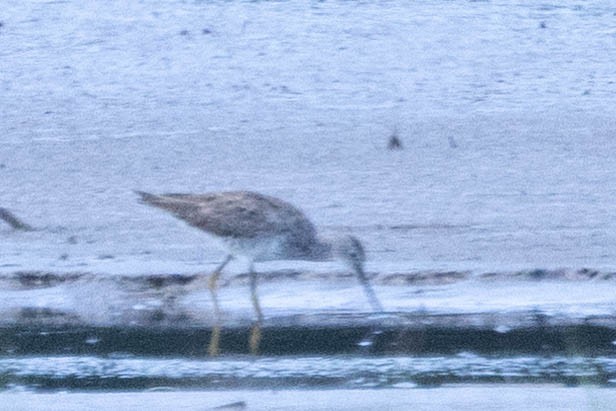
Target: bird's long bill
point(372, 298)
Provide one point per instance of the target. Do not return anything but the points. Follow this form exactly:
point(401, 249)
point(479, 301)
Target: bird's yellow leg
point(255, 332)
point(255, 339)
point(214, 346)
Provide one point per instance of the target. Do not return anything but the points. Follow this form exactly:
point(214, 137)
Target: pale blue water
point(505, 110)
point(342, 372)
point(298, 100)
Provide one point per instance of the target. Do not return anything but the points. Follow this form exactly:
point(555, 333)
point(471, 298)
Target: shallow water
point(500, 198)
point(507, 129)
point(495, 398)
point(340, 372)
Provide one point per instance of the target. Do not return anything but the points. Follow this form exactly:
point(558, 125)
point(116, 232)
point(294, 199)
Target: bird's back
point(242, 215)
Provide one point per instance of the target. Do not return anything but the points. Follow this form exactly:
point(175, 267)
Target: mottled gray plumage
point(242, 218)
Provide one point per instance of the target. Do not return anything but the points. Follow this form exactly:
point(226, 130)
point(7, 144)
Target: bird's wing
point(237, 214)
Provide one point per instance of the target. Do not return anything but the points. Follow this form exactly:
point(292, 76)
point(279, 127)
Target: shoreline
point(464, 397)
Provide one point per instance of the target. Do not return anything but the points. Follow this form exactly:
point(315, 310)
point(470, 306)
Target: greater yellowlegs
point(260, 227)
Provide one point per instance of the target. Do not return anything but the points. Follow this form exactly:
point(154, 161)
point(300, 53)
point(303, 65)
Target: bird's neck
point(322, 251)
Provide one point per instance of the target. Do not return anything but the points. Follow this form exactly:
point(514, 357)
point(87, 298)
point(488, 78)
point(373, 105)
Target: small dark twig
point(239, 405)
point(452, 142)
point(13, 221)
point(394, 142)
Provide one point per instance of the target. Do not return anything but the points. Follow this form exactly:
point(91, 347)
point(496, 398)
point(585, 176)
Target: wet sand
point(462, 397)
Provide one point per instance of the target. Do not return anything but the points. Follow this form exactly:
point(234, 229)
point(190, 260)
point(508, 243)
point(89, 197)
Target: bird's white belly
point(255, 248)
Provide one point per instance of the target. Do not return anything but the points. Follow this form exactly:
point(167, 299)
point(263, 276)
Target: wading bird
point(259, 227)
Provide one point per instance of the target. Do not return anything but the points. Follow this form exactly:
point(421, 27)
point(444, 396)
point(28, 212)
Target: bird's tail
point(173, 203)
point(147, 198)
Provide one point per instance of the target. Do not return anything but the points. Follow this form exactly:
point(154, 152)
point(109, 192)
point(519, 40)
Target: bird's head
point(350, 250)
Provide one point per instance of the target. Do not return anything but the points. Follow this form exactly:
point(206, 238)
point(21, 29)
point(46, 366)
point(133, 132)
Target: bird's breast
point(263, 249)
